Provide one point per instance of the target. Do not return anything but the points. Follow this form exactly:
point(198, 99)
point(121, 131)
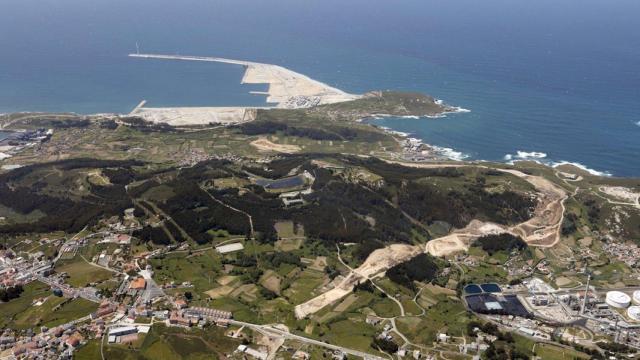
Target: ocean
point(548, 80)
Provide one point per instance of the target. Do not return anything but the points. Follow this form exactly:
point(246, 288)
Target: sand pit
point(377, 262)
point(331, 296)
point(460, 240)
point(621, 193)
point(264, 144)
point(382, 259)
point(446, 246)
point(542, 230)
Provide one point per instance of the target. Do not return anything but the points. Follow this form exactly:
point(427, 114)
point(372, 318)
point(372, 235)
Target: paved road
point(83, 293)
point(288, 335)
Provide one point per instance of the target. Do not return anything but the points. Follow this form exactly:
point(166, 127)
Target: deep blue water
point(490, 288)
point(556, 77)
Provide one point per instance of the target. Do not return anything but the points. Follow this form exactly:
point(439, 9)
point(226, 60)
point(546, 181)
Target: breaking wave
point(525, 155)
point(450, 153)
point(581, 167)
point(540, 158)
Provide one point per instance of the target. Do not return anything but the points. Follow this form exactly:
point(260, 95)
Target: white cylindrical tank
point(617, 299)
point(636, 297)
point(634, 312)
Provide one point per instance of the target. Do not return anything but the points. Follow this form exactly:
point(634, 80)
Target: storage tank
point(636, 297)
point(634, 312)
point(617, 299)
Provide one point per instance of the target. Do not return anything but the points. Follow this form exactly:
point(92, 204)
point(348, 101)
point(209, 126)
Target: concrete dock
point(287, 88)
point(193, 58)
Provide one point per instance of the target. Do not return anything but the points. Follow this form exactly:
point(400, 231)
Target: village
point(121, 314)
point(534, 309)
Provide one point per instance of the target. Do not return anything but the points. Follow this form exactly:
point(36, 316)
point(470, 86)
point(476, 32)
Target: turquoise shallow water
point(559, 79)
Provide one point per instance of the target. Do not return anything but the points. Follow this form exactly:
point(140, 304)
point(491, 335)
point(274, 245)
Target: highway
point(290, 336)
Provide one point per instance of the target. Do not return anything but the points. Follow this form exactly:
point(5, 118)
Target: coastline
point(416, 149)
point(287, 89)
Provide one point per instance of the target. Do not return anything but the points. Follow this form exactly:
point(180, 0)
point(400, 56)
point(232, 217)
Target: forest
point(502, 242)
point(337, 211)
point(422, 268)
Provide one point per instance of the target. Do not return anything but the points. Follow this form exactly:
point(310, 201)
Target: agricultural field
point(554, 352)
point(200, 269)
point(167, 344)
point(37, 306)
point(81, 272)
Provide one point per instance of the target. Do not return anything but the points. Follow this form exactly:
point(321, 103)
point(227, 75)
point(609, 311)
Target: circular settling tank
point(634, 312)
point(618, 299)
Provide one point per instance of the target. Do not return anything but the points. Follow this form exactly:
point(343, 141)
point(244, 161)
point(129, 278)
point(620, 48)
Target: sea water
point(546, 80)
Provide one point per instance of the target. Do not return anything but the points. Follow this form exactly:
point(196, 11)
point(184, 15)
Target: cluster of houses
point(56, 343)
point(187, 317)
point(629, 253)
point(17, 270)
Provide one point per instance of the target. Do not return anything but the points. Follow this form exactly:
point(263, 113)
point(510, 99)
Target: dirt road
point(542, 230)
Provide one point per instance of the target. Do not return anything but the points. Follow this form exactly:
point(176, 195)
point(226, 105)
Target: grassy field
point(305, 286)
point(287, 229)
point(20, 313)
point(55, 311)
point(163, 343)
point(352, 334)
point(32, 291)
point(82, 273)
point(447, 315)
point(385, 307)
point(200, 269)
point(553, 352)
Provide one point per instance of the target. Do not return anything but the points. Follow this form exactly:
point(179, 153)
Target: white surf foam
point(530, 155)
point(638, 123)
point(459, 109)
point(525, 155)
point(450, 153)
point(581, 167)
